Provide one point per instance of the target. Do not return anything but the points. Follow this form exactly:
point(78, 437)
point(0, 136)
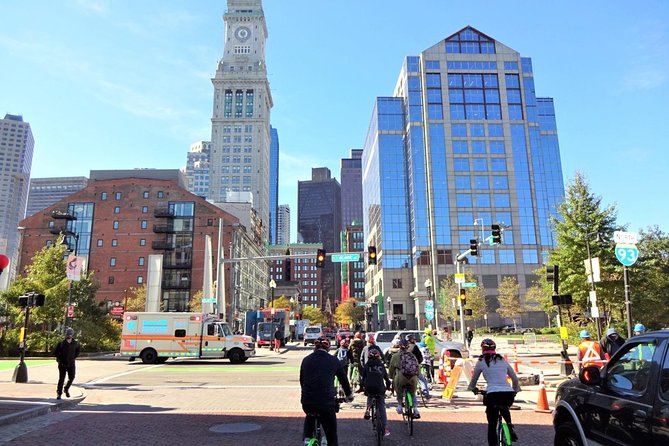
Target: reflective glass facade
point(273, 183)
point(463, 143)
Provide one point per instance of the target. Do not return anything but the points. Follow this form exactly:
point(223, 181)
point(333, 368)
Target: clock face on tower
point(242, 33)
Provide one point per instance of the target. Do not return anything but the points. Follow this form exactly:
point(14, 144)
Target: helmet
point(358, 335)
point(611, 331)
point(344, 343)
point(404, 344)
point(488, 346)
point(374, 353)
point(428, 331)
point(69, 332)
point(584, 334)
point(639, 328)
point(323, 343)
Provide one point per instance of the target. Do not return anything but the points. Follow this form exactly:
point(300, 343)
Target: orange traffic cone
point(542, 398)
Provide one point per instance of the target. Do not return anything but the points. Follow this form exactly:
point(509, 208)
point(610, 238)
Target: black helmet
point(488, 344)
point(374, 353)
point(323, 343)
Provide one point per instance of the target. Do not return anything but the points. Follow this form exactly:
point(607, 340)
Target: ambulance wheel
point(236, 356)
point(162, 359)
point(149, 356)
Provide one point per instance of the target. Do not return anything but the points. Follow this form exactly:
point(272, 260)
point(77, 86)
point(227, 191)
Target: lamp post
point(593, 291)
point(389, 313)
point(67, 320)
point(272, 286)
point(428, 287)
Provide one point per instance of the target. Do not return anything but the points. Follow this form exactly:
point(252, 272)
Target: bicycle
point(355, 376)
point(318, 435)
point(407, 408)
point(377, 425)
point(427, 373)
point(502, 429)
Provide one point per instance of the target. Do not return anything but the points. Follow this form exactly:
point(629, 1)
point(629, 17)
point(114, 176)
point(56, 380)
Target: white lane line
point(187, 386)
point(100, 381)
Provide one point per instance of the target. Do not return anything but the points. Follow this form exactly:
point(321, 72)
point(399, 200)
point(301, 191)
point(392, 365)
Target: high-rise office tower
point(351, 188)
point(16, 158)
point(46, 191)
point(462, 144)
point(240, 132)
point(273, 184)
point(197, 168)
point(283, 225)
point(319, 221)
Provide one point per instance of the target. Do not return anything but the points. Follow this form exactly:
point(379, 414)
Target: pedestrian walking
point(610, 343)
point(66, 353)
point(470, 336)
point(277, 339)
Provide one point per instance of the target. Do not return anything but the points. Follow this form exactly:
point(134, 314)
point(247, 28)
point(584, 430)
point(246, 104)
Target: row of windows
point(119, 195)
point(237, 139)
point(248, 128)
point(236, 159)
point(140, 280)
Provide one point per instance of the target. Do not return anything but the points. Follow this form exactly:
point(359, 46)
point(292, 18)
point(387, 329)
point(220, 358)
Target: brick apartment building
point(122, 217)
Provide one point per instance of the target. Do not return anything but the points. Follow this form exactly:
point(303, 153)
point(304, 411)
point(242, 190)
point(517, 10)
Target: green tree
point(348, 314)
point(509, 298)
point(583, 221)
point(315, 315)
point(136, 298)
point(280, 302)
point(449, 295)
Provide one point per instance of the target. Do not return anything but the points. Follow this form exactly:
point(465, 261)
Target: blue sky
point(119, 84)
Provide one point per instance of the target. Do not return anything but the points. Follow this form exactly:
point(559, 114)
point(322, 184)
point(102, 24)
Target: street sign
point(361, 304)
point(209, 300)
point(345, 257)
point(469, 285)
point(429, 310)
point(625, 238)
point(627, 254)
point(117, 311)
point(459, 277)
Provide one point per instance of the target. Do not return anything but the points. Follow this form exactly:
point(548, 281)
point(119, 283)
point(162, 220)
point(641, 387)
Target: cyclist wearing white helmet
point(499, 395)
point(317, 374)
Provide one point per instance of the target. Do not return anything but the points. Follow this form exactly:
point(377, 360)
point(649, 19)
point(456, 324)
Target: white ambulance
point(155, 337)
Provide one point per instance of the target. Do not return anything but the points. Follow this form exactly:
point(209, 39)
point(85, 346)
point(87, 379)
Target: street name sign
point(625, 238)
point(209, 300)
point(469, 285)
point(345, 257)
point(429, 310)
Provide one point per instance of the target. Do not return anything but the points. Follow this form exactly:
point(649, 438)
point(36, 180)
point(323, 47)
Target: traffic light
point(463, 296)
point(552, 275)
point(371, 255)
point(496, 238)
point(320, 258)
point(474, 247)
point(31, 300)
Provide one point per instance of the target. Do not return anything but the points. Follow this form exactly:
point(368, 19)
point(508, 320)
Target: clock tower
point(240, 126)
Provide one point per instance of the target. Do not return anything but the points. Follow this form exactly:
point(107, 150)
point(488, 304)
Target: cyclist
point(371, 345)
point(400, 379)
point(427, 361)
point(317, 373)
point(375, 382)
point(499, 395)
point(431, 343)
point(344, 355)
point(356, 348)
point(415, 349)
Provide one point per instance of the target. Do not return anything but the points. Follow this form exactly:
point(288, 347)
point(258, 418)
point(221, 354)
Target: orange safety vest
point(590, 353)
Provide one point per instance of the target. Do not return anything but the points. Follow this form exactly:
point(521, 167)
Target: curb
point(44, 409)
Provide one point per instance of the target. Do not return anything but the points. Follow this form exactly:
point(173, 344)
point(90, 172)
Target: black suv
point(624, 403)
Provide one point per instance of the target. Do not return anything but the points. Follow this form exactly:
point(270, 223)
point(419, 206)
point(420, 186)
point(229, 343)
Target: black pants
point(496, 403)
point(328, 417)
point(62, 370)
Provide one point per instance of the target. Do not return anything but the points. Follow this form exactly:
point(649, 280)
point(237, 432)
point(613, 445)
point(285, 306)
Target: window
point(117, 196)
point(112, 261)
point(632, 370)
point(160, 194)
point(114, 242)
point(145, 209)
point(99, 242)
point(140, 261)
point(115, 224)
point(144, 224)
point(397, 283)
point(103, 196)
point(140, 279)
point(142, 242)
point(145, 194)
point(110, 280)
point(117, 209)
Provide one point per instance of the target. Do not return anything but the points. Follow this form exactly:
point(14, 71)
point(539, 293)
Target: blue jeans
point(381, 406)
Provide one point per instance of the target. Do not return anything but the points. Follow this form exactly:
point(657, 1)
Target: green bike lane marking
point(9, 364)
point(222, 369)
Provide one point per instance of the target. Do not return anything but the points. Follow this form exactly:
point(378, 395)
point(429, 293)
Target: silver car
point(456, 349)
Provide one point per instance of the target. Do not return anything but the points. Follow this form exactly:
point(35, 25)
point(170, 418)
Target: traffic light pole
point(458, 261)
point(21, 370)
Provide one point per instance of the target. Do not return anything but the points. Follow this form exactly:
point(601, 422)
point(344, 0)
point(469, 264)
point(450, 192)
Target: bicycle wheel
point(378, 426)
point(503, 434)
point(408, 409)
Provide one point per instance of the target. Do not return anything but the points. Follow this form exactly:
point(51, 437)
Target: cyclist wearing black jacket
point(317, 374)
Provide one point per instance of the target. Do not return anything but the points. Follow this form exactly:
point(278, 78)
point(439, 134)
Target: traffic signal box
point(496, 237)
point(463, 296)
point(31, 300)
point(474, 247)
point(320, 258)
point(553, 276)
point(371, 255)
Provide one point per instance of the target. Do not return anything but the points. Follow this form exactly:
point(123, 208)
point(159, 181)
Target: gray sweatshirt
point(495, 376)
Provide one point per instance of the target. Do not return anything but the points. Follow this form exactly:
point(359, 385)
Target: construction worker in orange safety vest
point(589, 351)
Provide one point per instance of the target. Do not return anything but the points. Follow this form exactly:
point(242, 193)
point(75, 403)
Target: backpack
point(374, 382)
point(408, 364)
point(342, 356)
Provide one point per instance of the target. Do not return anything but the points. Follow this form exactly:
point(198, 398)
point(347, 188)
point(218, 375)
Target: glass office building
point(462, 144)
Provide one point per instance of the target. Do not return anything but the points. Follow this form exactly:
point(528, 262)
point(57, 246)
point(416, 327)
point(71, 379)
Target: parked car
point(329, 333)
point(456, 349)
point(624, 403)
point(311, 333)
point(384, 339)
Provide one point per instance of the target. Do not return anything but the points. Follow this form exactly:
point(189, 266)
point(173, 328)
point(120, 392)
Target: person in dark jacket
point(375, 382)
point(610, 343)
point(317, 373)
point(66, 353)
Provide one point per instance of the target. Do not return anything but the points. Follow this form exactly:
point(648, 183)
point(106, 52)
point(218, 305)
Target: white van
point(311, 333)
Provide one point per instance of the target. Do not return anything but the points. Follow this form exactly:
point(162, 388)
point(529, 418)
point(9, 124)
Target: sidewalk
point(20, 401)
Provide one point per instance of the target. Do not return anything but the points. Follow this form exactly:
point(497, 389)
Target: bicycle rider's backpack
point(408, 364)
